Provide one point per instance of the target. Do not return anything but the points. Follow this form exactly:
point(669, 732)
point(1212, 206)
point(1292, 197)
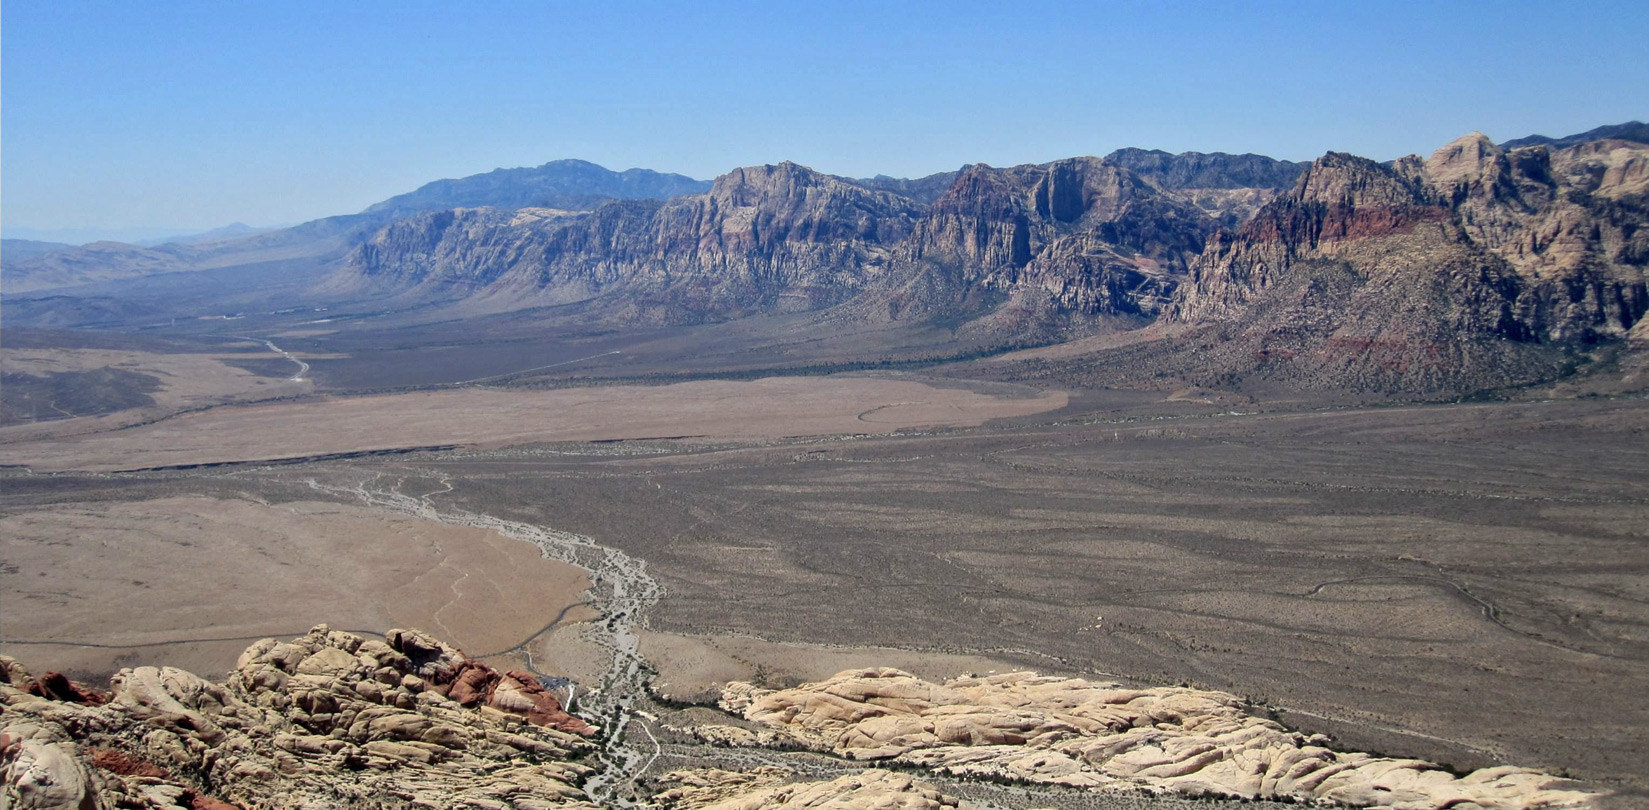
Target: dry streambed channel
point(634, 740)
point(621, 591)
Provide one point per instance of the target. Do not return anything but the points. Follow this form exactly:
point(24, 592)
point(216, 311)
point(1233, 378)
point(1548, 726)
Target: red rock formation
point(125, 764)
point(520, 692)
point(469, 682)
point(199, 802)
point(474, 684)
point(57, 686)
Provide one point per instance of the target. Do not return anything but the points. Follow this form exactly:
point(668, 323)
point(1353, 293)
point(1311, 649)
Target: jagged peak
point(1346, 179)
point(1462, 159)
point(1207, 169)
point(767, 173)
point(1128, 151)
point(1080, 160)
point(792, 186)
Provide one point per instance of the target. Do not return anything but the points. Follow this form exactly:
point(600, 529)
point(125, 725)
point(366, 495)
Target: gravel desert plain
point(1075, 485)
point(1463, 583)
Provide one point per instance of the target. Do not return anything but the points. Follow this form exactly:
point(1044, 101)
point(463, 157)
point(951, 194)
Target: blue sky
point(193, 115)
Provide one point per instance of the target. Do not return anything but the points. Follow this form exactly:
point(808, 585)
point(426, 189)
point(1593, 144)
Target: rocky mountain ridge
point(576, 184)
point(569, 184)
point(1089, 234)
point(767, 238)
point(1629, 131)
point(1473, 262)
point(1477, 267)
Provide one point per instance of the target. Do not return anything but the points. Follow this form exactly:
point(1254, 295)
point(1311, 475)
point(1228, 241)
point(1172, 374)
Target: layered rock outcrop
point(1088, 234)
point(1479, 267)
point(771, 789)
point(1208, 170)
point(766, 238)
point(1085, 234)
point(1106, 736)
point(1459, 272)
point(326, 720)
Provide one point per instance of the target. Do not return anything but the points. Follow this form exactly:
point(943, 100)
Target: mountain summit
point(571, 184)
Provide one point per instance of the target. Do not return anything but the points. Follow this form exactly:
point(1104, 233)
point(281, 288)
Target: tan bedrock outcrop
point(769, 789)
point(1105, 736)
point(330, 719)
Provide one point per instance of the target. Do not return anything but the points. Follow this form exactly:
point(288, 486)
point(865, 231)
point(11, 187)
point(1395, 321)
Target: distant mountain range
point(565, 184)
point(1482, 265)
point(1477, 267)
point(14, 250)
point(230, 231)
point(1635, 131)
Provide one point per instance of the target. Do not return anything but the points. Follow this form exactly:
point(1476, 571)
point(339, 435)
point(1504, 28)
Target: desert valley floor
point(1384, 575)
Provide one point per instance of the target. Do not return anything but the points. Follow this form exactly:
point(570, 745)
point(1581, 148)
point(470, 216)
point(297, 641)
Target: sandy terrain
point(1458, 583)
point(777, 407)
point(136, 575)
point(696, 667)
point(186, 381)
point(1086, 346)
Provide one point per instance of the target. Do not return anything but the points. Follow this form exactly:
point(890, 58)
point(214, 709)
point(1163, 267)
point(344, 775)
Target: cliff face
point(1228, 188)
point(1455, 270)
point(1090, 235)
point(1570, 223)
point(1474, 268)
point(762, 239)
point(1189, 170)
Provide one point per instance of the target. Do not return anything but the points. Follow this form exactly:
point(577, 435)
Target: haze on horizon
point(191, 116)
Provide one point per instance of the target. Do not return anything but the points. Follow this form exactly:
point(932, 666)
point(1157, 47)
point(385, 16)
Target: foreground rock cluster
point(1104, 736)
point(331, 719)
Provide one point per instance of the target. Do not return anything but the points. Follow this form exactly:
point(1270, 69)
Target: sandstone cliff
point(1228, 188)
point(1089, 235)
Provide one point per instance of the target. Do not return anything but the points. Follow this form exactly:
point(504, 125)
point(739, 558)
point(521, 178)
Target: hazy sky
point(194, 115)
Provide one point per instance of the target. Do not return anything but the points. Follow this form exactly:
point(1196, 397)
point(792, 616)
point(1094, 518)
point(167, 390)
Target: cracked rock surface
point(1105, 736)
